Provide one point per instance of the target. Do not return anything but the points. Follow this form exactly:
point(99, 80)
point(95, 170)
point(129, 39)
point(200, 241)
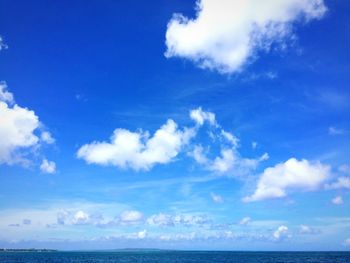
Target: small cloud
point(230, 138)
point(245, 221)
point(341, 182)
point(142, 234)
point(5, 95)
point(200, 117)
point(131, 217)
point(48, 167)
point(281, 232)
point(165, 220)
point(335, 131)
point(2, 44)
point(216, 198)
point(47, 137)
point(81, 218)
point(305, 230)
point(338, 200)
point(161, 220)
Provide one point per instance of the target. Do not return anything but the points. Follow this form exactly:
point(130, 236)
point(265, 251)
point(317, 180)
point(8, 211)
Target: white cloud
point(230, 138)
point(81, 218)
point(216, 198)
point(200, 117)
point(290, 175)
point(338, 200)
point(131, 217)
point(342, 182)
point(245, 221)
point(160, 220)
point(307, 230)
point(165, 220)
point(226, 34)
point(137, 150)
point(48, 167)
point(142, 234)
point(140, 151)
point(231, 163)
point(47, 137)
point(18, 129)
point(281, 232)
point(5, 95)
point(2, 44)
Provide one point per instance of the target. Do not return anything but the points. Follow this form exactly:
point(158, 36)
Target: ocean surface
point(178, 257)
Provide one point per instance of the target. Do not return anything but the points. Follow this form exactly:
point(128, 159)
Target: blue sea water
point(177, 257)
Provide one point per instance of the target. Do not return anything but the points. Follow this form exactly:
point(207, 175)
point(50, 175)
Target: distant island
point(26, 250)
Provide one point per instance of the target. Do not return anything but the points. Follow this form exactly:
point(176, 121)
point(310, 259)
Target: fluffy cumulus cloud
point(19, 128)
point(200, 117)
point(140, 151)
point(225, 34)
point(137, 150)
point(290, 175)
point(47, 137)
point(280, 233)
point(142, 234)
point(48, 166)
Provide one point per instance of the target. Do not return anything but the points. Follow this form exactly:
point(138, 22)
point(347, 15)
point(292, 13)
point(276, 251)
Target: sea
point(177, 257)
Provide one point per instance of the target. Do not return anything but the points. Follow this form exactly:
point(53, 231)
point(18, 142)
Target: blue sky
point(175, 124)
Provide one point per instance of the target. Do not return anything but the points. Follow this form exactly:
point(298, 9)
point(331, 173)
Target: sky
point(221, 125)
